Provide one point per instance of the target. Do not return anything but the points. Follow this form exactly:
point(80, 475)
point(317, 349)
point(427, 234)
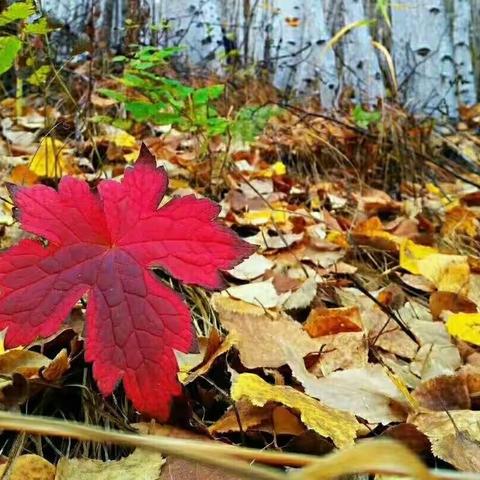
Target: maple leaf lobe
point(105, 246)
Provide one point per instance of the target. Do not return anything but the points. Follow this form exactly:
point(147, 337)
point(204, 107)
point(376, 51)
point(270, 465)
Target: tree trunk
point(423, 54)
point(361, 69)
point(462, 21)
point(196, 25)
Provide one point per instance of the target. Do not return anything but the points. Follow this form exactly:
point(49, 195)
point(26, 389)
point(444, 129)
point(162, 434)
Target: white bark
point(195, 24)
point(423, 55)
point(299, 54)
point(462, 22)
point(361, 69)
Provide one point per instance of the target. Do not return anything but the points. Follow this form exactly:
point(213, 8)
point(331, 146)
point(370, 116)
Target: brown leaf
point(264, 339)
point(449, 301)
point(328, 321)
point(341, 351)
point(446, 392)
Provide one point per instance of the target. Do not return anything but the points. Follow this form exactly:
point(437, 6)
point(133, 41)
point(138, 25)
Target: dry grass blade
point(375, 456)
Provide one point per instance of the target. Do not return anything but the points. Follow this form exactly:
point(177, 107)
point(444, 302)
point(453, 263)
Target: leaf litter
point(354, 311)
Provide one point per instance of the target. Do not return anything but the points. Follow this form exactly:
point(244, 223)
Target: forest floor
point(351, 332)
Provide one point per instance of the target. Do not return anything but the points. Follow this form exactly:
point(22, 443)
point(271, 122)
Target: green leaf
point(118, 96)
point(9, 48)
point(201, 96)
point(165, 118)
point(363, 118)
point(16, 11)
point(251, 121)
point(217, 126)
point(106, 119)
point(38, 28)
point(142, 111)
point(39, 76)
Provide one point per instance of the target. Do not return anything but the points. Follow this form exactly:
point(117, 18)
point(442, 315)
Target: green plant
point(14, 44)
point(250, 121)
point(150, 97)
point(364, 118)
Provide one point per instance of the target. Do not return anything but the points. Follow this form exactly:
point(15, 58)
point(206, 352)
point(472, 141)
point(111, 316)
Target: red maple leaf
point(106, 245)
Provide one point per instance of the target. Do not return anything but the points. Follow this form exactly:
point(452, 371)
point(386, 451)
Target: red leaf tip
point(146, 157)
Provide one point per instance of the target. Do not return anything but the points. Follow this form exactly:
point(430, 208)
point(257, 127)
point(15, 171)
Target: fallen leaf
point(340, 426)
point(449, 273)
point(302, 297)
point(446, 392)
point(455, 436)
point(251, 268)
point(340, 351)
point(142, 464)
point(50, 159)
point(258, 293)
point(106, 245)
point(22, 175)
point(29, 467)
point(179, 468)
point(465, 326)
point(367, 392)
point(328, 321)
point(263, 339)
point(460, 221)
point(242, 417)
point(433, 360)
point(449, 301)
point(25, 362)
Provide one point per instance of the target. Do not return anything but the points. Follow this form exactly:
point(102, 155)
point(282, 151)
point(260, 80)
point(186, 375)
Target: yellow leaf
point(278, 168)
point(49, 160)
point(449, 273)
point(141, 464)
point(460, 220)
point(121, 138)
point(340, 426)
point(411, 253)
point(465, 326)
point(30, 467)
point(339, 238)
point(260, 217)
point(132, 156)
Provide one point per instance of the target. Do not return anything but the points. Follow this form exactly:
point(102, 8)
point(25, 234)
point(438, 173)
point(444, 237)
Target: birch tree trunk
point(299, 57)
point(361, 69)
point(462, 21)
point(195, 24)
point(423, 54)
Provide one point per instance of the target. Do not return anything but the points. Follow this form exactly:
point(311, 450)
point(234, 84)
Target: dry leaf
point(465, 326)
point(449, 273)
point(328, 321)
point(30, 467)
point(24, 362)
point(262, 294)
point(340, 426)
point(447, 392)
point(441, 301)
point(264, 339)
point(141, 464)
point(50, 159)
point(433, 360)
point(367, 392)
point(340, 351)
point(251, 268)
point(455, 436)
